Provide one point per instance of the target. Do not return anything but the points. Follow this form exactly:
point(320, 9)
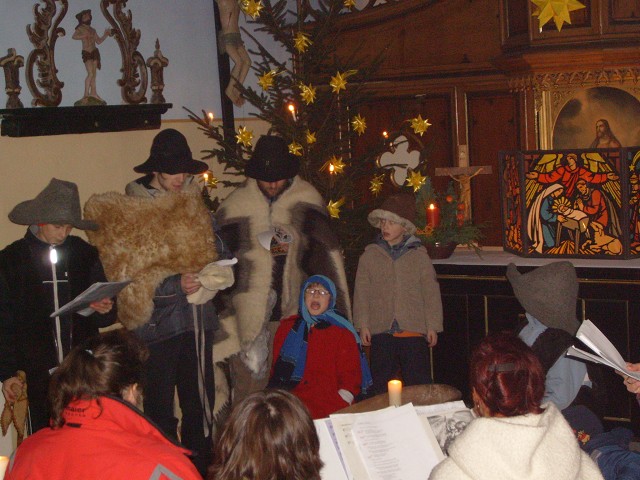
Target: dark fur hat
point(271, 160)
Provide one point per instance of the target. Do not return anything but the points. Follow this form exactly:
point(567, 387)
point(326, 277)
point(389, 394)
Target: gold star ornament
point(252, 8)
point(339, 81)
point(415, 180)
point(311, 137)
point(266, 79)
point(558, 10)
point(337, 164)
point(334, 207)
point(419, 125)
point(308, 93)
point(244, 137)
point(359, 124)
point(349, 3)
point(376, 184)
point(301, 42)
point(295, 149)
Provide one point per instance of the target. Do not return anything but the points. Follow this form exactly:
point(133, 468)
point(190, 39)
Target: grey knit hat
point(549, 293)
point(399, 208)
point(58, 203)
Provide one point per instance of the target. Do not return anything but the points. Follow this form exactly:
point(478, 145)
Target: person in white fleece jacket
point(514, 438)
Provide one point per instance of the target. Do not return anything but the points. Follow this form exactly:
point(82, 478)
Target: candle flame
point(432, 206)
point(291, 108)
point(332, 168)
point(53, 255)
point(210, 115)
point(385, 134)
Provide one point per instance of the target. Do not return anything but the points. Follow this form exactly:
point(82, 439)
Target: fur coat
point(526, 447)
point(315, 249)
point(148, 239)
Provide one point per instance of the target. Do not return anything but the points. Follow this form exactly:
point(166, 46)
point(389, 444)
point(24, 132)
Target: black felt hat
point(58, 203)
point(170, 153)
point(549, 293)
point(271, 160)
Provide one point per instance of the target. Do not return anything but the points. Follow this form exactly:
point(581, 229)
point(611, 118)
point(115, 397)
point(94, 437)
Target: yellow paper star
point(266, 79)
point(376, 184)
point(334, 207)
point(349, 3)
point(295, 149)
point(559, 10)
point(339, 82)
point(252, 8)
point(337, 163)
point(301, 41)
point(308, 93)
point(211, 181)
point(419, 125)
point(415, 180)
point(311, 137)
point(244, 136)
point(359, 124)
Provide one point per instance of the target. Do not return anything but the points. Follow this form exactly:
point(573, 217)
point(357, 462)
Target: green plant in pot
point(441, 223)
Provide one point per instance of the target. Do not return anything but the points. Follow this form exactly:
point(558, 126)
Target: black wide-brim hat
point(170, 154)
point(271, 160)
point(58, 203)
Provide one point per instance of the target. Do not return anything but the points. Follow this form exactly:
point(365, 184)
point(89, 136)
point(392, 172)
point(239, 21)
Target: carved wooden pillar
point(156, 65)
point(11, 64)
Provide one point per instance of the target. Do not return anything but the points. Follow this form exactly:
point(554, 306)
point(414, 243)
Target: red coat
point(111, 443)
point(333, 363)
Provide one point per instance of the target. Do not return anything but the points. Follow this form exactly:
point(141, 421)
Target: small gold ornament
point(415, 180)
point(376, 184)
point(301, 42)
point(266, 80)
point(308, 93)
point(210, 181)
point(334, 207)
point(311, 137)
point(244, 137)
point(338, 82)
point(338, 164)
point(419, 125)
point(349, 3)
point(252, 8)
point(359, 124)
point(558, 10)
point(295, 149)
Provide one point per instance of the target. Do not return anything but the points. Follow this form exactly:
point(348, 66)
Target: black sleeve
point(8, 364)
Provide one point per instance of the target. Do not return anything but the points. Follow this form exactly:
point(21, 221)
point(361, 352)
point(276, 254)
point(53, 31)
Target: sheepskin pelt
point(147, 240)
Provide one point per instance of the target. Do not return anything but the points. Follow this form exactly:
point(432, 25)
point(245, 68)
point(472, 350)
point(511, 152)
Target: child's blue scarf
point(289, 367)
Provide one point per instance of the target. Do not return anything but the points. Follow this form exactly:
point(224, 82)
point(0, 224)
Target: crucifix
point(463, 176)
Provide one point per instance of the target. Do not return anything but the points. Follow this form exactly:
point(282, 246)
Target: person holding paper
point(317, 354)
point(269, 434)
point(515, 436)
point(40, 273)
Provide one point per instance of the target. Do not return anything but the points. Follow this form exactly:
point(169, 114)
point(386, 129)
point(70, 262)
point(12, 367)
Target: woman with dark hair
point(515, 437)
point(96, 429)
point(268, 436)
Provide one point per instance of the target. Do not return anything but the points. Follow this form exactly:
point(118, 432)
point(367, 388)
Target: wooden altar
point(478, 299)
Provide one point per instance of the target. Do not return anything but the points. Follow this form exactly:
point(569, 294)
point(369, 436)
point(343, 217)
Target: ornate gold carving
point(549, 81)
point(134, 70)
point(43, 35)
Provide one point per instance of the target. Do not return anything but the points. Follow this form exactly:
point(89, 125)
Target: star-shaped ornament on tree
point(301, 42)
point(295, 149)
point(359, 124)
point(266, 79)
point(558, 10)
point(416, 180)
point(210, 181)
point(376, 184)
point(334, 207)
point(252, 8)
point(244, 136)
point(339, 81)
point(419, 125)
point(311, 137)
point(308, 93)
point(337, 164)
point(349, 3)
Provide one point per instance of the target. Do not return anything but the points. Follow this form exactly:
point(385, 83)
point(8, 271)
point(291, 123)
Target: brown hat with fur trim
point(549, 293)
point(399, 208)
point(58, 203)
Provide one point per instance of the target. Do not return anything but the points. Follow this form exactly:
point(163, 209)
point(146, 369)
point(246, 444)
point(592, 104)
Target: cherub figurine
point(90, 54)
point(230, 42)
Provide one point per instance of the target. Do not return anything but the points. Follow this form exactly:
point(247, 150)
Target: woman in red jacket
point(317, 353)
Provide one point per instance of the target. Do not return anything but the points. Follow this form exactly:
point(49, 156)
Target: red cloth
point(333, 363)
point(111, 443)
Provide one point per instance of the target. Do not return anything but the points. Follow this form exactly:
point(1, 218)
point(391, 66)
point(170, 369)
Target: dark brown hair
point(104, 365)
point(507, 376)
point(268, 436)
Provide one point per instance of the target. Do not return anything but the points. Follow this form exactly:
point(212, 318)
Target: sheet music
point(334, 468)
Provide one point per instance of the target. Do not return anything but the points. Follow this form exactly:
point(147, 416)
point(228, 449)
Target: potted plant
point(441, 221)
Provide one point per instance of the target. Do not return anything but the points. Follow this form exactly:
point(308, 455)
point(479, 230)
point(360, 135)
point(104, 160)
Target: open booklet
point(604, 351)
point(95, 292)
point(389, 444)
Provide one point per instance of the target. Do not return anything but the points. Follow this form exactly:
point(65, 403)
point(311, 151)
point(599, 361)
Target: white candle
point(395, 392)
point(4, 461)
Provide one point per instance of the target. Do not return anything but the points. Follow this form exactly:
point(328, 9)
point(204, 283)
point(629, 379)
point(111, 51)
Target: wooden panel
point(493, 126)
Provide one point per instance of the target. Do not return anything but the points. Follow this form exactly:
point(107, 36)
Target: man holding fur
point(277, 226)
point(179, 333)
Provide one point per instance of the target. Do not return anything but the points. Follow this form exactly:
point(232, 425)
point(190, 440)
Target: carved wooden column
point(11, 64)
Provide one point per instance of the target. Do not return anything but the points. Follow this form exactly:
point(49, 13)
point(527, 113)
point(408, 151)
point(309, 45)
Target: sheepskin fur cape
point(146, 240)
point(315, 249)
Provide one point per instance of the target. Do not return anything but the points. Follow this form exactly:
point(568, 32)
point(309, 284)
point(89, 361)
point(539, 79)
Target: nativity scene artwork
point(572, 203)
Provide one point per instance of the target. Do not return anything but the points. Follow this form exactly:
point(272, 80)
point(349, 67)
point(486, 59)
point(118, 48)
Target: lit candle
point(205, 176)
point(332, 169)
point(210, 116)
point(292, 109)
point(395, 393)
point(433, 215)
point(4, 461)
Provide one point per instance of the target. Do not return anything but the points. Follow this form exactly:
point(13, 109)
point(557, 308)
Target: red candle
point(433, 215)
